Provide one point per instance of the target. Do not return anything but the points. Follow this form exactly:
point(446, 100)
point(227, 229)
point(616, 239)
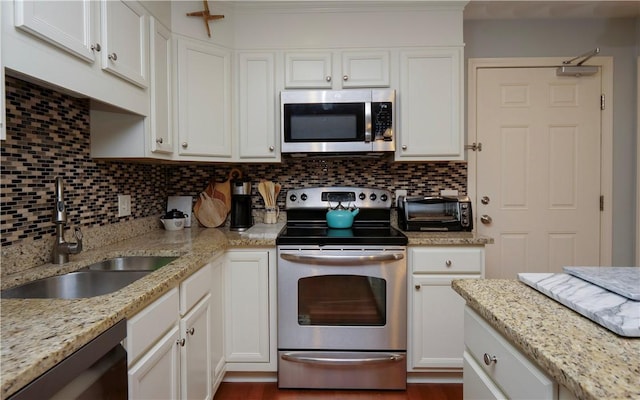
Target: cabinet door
point(477, 385)
point(157, 374)
point(308, 70)
point(65, 24)
point(365, 69)
point(195, 355)
point(438, 322)
point(161, 88)
point(430, 103)
point(257, 97)
point(124, 40)
point(247, 306)
point(204, 97)
point(217, 321)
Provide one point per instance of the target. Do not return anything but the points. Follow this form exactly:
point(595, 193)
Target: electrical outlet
point(400, 192)
point(124, 205)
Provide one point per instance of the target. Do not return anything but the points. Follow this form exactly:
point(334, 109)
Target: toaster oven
point(435, 214)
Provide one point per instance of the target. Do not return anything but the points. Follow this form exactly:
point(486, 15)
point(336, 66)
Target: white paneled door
point(538, 174)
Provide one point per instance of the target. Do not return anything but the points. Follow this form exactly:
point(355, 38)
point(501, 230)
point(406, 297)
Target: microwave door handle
point(367, 122)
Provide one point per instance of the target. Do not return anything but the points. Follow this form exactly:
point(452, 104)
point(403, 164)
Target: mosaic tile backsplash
point(48, 136)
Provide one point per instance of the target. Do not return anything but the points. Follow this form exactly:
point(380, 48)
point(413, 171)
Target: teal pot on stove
point(341, 218)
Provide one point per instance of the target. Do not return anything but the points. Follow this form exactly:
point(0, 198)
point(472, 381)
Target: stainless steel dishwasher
point(98, 370)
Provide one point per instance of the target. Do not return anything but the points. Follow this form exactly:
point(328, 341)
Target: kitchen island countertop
point(36, 334)
point(589, 360)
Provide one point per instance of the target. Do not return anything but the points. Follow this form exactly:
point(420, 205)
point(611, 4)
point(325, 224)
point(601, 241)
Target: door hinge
point(601, 203)
point(474, 146)
point(602, 102)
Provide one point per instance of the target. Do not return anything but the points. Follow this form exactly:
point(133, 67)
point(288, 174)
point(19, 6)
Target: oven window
point(334, 122)
point(447, 211)
point(342, 300)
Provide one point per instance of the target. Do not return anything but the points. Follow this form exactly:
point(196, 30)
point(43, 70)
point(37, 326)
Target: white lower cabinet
point(495, 369)
point(250, 309)
point(169, 343)
point(436, 329)
point(218, 366)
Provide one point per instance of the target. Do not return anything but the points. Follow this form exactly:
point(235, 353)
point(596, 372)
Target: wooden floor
point(270, 391)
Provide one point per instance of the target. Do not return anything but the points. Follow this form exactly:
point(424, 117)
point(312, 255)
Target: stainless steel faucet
point(62, 249)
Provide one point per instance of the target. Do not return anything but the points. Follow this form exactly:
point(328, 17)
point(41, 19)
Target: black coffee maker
point(241, 218)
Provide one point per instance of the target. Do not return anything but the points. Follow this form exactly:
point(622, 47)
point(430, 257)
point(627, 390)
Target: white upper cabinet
point(204, 101)
point(308, 70)
point(124, 40)
point(66, 24)
point(430, 103)
point(365, 69)
point(337, 70)
point(257, 107)
point(76, 42)
point(161, 88)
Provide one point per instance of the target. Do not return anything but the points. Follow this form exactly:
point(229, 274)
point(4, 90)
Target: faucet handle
point(77, 247)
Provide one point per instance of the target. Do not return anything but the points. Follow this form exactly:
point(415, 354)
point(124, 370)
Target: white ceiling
point(505, 9)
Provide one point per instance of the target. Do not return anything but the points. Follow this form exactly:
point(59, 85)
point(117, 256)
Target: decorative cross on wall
point(206, 16)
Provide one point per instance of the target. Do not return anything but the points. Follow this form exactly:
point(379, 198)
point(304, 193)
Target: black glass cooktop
point(321, 235)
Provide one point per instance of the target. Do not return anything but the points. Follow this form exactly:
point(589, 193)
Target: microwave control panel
point(382, 117)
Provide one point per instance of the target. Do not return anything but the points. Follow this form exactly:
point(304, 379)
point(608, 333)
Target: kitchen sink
point(74, 285)
point(97, 279)
point(132, 263)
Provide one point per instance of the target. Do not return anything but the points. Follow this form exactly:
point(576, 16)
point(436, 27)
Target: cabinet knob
point(485, 219)
point(159, 140)
point(328, 78)
point(181, 342)
point(417, 287)
point(448, 263)
point(404, 147)
point(113, 57)
point(345, 77)
point(96, 47)
point(271, 148)
point(191, 331)
point(490, 359)
point(185, 145)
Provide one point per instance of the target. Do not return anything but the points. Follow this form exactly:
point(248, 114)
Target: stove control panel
point(330, 197)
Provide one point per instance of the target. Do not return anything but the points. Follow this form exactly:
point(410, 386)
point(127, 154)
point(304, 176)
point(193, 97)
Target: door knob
point(485, 219)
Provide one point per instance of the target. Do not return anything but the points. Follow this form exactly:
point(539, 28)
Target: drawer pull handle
point(448, 263)
point(490, 359)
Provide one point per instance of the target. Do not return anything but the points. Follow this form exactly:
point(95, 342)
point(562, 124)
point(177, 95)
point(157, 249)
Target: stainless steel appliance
point(96, 371)
point(342, 295)
point(241, 216)
point(438, 213)
point(338, 121)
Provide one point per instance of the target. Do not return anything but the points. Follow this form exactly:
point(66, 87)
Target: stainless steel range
point(342, 293)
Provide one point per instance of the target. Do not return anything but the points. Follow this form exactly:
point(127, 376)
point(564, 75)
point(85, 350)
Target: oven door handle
point(310, 358)
point(342, 260)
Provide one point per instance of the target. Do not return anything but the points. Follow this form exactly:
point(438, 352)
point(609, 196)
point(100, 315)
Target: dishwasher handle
point(343, 260)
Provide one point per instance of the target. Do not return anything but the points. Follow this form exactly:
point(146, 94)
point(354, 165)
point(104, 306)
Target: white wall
point(568, 38)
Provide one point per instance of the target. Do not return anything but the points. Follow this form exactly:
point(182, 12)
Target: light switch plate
point(124, 205)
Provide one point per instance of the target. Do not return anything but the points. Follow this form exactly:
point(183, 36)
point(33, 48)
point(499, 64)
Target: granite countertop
point(38, 333)
point(589, 360)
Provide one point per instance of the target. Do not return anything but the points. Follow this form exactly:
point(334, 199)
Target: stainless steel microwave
point(338, 121)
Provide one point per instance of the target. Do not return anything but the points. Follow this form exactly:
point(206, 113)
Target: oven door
point(342, 298)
